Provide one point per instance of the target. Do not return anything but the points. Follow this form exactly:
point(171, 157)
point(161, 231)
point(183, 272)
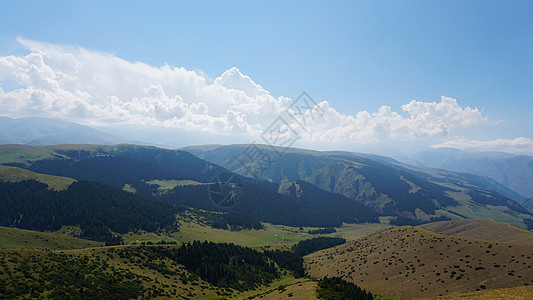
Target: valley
point(112, 222)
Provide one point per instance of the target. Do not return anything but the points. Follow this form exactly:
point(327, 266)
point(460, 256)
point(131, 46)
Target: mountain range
point(36, 131)
point(383, 184)
point(513, 171)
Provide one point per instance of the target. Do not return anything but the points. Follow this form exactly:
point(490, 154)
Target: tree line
point(99, 210)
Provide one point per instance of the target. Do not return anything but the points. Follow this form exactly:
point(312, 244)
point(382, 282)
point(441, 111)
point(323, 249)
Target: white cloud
point(516, 145)
point(96, 88)
point(425, 119)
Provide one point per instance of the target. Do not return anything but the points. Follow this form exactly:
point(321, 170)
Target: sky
point(378, 75)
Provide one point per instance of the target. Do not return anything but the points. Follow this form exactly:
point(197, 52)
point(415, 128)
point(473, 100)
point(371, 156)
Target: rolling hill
point(14, 238)
point(484, 229)
point(410, 262)
point(386, 186)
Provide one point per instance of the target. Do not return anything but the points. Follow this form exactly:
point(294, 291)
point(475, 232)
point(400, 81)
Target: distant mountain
point(44, 131)
point(386, 186)
point(513, 171)
point(528, 204)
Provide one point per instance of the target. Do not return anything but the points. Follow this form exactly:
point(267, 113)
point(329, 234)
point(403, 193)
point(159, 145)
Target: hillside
point(192, 270)
point(177, 177)
point(513, 171)
point(99, 211)
point(484, 229)
point(388, 187)
point(528, 204)
point(409, 262)
point(14, 174)
point(14, 238)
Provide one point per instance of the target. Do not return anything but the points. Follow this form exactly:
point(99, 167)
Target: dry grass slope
point(516, 293)
point(485, 229)
point(410, 262)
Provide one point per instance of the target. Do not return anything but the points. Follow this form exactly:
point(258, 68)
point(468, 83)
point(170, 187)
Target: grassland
point(165, 185)
point(14, 238)
point(14, 174)
point(298, 290)
point(409, 262)
point(485, 229)
point(22, 154)
point(271, 237)
point(515, 293)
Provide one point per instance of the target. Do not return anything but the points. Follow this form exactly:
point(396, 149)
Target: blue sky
point(356, 55)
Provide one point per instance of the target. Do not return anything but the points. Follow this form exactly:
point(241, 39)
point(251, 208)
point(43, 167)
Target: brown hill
point(484, 229)
point(410, 262)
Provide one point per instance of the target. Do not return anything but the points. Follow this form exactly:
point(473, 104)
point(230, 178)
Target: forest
point(97, 209)
point(336, 288)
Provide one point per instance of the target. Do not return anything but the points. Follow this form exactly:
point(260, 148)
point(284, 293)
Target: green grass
point(14, 174)
point(170, 184)
point(14, 238)
point(22, 154)
point(273, 236)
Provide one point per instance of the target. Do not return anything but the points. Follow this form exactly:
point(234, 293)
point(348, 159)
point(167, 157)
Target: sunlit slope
point(485, 229)
point(410, 262)
point(15, 174)
point(383, 184)
point(14, 238)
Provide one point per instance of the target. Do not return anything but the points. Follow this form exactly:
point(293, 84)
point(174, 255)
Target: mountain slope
point(98, 210)
point(412, 262)
point(387, 187)
point(173, 176)
point(113, 165)
point(45, 131)
point(514, 171)
point(14, 174)
point(484, 229)
point(14, 238)
point(528, 204)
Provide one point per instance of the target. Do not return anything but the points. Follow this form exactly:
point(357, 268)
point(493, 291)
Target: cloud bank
point(516, 145)
point(96, 88)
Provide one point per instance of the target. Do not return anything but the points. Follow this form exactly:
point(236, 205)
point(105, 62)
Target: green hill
point(14, 238)
point(14, 174)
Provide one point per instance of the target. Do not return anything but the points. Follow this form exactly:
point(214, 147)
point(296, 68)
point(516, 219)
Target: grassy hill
point(14, 238)
point(14, 174)
point(102, 272)
point(126, 272)
point(484, 229)
point(411, 262)
point(515, 293)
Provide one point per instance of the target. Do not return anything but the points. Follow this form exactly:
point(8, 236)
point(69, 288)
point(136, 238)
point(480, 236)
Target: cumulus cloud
point(97, 88)
point(516, 145)
point(424, 119)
